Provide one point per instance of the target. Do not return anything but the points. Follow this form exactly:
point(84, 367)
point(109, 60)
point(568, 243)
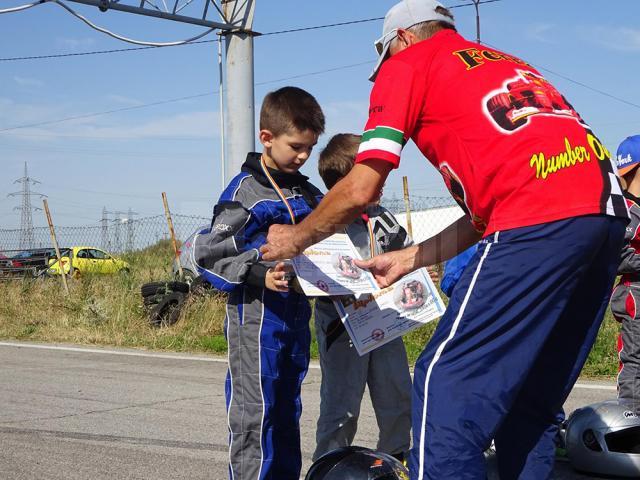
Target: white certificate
point(327, 268)
point(375, 319)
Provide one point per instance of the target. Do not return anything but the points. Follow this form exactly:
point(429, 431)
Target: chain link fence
point(429, 215)
point(114, 236)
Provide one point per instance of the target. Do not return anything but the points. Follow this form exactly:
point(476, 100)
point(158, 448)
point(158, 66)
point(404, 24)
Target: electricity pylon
point(25, 208)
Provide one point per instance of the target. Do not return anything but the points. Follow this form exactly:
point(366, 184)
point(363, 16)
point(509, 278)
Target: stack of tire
point(164, 301)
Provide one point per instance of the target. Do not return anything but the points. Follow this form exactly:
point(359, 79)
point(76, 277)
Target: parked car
point(35, 261)
point(88, 260)
point(187, 262)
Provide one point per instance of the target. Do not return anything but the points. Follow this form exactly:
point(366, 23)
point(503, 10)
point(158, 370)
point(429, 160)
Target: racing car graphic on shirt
point(526, 95)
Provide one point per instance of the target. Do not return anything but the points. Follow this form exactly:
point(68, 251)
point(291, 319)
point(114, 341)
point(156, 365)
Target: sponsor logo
point(376, 109)
point(475, 57)
point(622, 161)
point(629, 414)
point(545, 164)
point(569, 157)
point(221, 227)
point(377, 334)
point(322, 286)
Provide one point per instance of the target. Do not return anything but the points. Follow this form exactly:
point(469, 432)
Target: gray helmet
point(604, 438)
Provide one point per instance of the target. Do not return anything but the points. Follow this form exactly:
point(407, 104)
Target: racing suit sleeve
point(397, 237)
point(629, 256)
point(226, 255)
point(395, 106)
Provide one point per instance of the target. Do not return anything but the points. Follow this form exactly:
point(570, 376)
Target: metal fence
point(113, 236)
point(429, 215)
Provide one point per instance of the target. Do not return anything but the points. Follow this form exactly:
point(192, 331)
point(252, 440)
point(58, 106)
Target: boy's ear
point(266, 137)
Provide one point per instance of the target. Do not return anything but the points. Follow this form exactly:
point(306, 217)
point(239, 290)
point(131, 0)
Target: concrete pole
point(239, 99)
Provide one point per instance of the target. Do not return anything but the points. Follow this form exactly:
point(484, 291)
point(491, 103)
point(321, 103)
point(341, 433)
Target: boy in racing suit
point(344, 373)
point(266, 324)
point(625, 301)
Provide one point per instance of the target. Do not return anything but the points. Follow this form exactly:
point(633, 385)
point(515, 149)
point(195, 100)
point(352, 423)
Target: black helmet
point(357, 463)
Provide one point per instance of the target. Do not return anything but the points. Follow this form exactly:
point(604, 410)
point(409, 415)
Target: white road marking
point(595, 386)
point(120, 352)
point(194, 358)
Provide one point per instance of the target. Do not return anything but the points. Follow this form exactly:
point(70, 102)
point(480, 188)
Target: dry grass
point(107, 310)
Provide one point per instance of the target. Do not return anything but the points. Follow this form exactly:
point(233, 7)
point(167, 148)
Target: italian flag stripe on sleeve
point(385, 139)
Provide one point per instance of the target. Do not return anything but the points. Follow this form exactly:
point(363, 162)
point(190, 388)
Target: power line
point(198, 42)
point(173, 100)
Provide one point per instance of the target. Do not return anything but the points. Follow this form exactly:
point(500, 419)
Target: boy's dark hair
point(291, 108)
point(338, 157)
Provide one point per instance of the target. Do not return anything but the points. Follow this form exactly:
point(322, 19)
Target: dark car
point(34, 262)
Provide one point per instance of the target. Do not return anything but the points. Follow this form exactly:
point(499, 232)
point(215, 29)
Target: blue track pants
point(520, 324)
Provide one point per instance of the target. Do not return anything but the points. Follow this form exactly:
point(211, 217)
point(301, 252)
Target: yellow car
point(87, 260)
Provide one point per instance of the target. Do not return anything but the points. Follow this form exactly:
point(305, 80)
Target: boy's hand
point(277, 278)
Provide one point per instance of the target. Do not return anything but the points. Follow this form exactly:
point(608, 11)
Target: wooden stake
point(172, 233)
point(407, 205)
point(54, 240)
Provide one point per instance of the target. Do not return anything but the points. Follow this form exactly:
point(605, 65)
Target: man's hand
point(277, 278)
point(387, 267)
point(281, 243)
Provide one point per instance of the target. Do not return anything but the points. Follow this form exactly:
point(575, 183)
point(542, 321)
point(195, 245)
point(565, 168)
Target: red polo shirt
point(511, 149)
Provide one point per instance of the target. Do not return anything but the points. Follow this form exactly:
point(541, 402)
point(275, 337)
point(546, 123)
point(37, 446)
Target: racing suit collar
point(283, 179)
point(631, 197)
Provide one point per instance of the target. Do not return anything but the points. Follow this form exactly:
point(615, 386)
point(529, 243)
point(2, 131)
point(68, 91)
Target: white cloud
point(123, 100)
point(621, 39)
point(192, 124)
point(28, 82)
point(75, 43)
point(198, 124)
point(540, 32)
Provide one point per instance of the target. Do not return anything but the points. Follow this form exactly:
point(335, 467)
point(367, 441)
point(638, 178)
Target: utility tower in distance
point(104, 229)
point(25, 208)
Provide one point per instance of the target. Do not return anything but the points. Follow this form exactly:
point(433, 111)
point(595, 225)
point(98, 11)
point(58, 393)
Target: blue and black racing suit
point(267, 332)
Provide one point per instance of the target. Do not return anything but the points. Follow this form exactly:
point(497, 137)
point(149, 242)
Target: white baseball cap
point(405, 15)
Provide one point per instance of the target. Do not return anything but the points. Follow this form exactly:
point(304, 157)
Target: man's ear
point(266, 137)
point(406, 37)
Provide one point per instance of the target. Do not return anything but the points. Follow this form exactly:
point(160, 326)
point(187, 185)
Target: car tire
point(199, 286)
point(155, 288)
point(153, 300)
point(167, 312)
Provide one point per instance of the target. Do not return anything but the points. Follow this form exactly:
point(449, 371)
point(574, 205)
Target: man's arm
point(389, 267)
point(341, 206)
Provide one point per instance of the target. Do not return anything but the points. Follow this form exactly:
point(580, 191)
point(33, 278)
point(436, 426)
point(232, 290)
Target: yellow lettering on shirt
point(474, 57)
point(569, 157)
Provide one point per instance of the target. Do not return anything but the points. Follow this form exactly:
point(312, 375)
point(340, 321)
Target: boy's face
point(289, 151)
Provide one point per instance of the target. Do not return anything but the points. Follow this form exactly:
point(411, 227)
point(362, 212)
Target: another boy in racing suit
point(344, 373)
point(625, 302)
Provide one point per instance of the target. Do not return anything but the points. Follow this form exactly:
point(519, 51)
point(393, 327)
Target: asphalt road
point(76, 413)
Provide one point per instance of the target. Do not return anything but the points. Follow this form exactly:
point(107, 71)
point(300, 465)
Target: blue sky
point(127, 159)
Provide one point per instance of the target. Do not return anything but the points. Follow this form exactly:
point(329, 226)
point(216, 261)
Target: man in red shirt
point(538, 188)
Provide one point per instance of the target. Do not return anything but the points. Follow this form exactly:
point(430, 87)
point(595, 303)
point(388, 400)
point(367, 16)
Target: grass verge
point(107, 310)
